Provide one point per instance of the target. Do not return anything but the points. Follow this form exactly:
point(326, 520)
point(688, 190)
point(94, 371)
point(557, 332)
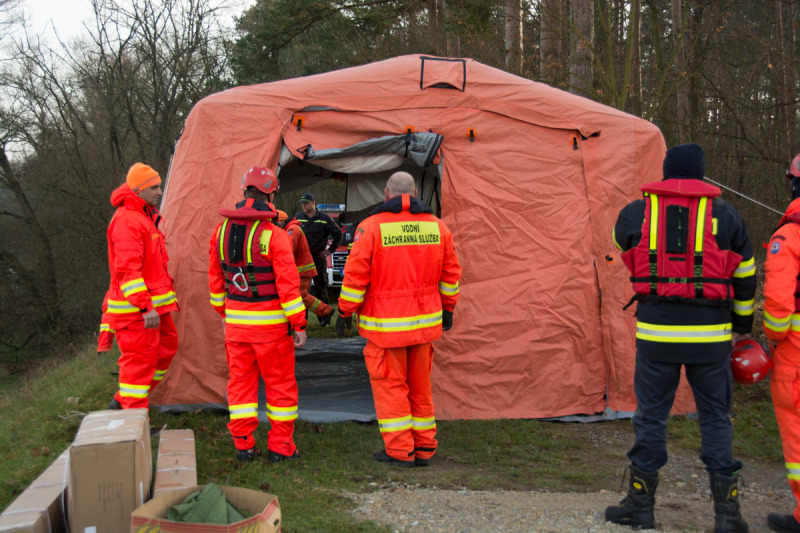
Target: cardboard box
point(176, 466)
point(110, 470)
point(151, 517)
point(39, 509)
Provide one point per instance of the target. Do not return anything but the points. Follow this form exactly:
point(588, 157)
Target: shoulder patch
point(775, 247)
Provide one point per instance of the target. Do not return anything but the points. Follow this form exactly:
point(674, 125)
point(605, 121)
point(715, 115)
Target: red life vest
point(249, 275)
point(677, 256)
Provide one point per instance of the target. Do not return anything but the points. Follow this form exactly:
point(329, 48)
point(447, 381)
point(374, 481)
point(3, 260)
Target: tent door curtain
point(375, 155)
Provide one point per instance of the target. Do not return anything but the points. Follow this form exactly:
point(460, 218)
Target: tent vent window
point(443, 73)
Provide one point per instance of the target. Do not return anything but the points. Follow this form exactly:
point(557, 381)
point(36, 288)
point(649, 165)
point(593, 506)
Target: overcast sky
point(68, 16)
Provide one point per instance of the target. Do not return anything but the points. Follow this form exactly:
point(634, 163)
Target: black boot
point(637, 508)
point(784, 523)
point(727, 518)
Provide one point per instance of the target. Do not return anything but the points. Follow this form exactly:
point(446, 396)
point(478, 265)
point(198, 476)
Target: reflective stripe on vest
point(389, 425)
point(400, 323)
point(684, 334)
point(283, 414)
point(246, 279)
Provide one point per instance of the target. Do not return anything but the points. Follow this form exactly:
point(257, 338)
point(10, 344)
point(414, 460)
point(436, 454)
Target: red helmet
point(794, 168)
point(749, 362)
point(262, 179)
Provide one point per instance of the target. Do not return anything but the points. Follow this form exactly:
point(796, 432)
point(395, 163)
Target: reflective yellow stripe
point(133, 286)
point(244, 410)
point(653, 221)
point(614, 238)
point(250, 242)
point(701, 224)
point(795, 322)
point(164, 299)
point(314, 305)
point(293, 307)
point(306, 268)
point(400, 323)
point(776, 324)
point(254, 318)
point(352, 295)
point(389, 425)
point(448, 289)
point(159, 375)
point(745, 268)
point(217, 299)
point(421, 424)
point(221, 239)
point(281, 413)
point(130, 390)
point(117, 307)
point(106, 327)
point(744, 307)
point(689, 334)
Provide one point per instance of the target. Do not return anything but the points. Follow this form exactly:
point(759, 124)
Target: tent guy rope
point(718, 184)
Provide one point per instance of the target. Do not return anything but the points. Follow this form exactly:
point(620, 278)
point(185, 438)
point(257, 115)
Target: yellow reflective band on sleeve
point(281, 413)
point(293, 307)
point(106, 327)
point(400, 323)
point(795, 322)
point(448, 289)
point(793, 470)
point(314, 305)
point(130, 390)
point(352, 295)
point(701, 224)
point(745, 268)
point(389, 425)
point(306, 268)
point(423, 424)
point(133, 286)
point(121, 307)
point(254, 318)
point(684, 334)
point(776, 324)
point(744, 307)
point(164, 299)
point(217, 299)
point(653, 221)
point(409, 233)
point(244, 410)
point(250, 236)
point(159, 375)
point(263, 242)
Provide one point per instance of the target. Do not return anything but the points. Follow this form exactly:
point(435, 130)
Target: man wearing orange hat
point(305, 267)
point(141, 296)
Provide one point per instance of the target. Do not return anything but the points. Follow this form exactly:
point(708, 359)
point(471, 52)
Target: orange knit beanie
point(141, 176)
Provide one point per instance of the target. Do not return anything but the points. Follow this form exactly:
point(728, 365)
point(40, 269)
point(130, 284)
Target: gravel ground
point(683, 503)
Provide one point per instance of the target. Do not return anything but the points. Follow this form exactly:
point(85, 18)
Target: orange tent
point(529, 179)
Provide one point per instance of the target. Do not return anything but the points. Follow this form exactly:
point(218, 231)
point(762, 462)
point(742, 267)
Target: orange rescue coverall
point(305, 268)
point(258, 335)
point(140, 282)
point(781, 316)
point(401, 273)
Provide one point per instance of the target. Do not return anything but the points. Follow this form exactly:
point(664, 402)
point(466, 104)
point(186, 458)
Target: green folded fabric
point(207, 506)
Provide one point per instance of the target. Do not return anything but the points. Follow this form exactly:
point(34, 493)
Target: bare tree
point(581, 39)
point(551, 64)
point(682, 88)
point(513, 36)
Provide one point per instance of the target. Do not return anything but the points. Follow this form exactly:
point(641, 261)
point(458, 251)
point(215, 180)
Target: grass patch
point(44, 408)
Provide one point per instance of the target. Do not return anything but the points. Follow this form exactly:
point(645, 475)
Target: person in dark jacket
point(695, 287)
point(317, 227)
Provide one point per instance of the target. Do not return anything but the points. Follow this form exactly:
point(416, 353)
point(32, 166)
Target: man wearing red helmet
point(254, 287)
point(781, 319)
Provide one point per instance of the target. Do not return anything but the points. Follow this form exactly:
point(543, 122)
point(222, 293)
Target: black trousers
point(320, 287)
point(655, 384)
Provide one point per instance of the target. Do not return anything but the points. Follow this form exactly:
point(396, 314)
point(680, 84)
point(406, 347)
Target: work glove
point(343, 325)
point(447, 320)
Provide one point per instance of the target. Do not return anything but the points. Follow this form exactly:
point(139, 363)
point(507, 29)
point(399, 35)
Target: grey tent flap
point(375, 155)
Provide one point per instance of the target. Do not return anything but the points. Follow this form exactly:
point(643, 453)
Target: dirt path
point(683, 501)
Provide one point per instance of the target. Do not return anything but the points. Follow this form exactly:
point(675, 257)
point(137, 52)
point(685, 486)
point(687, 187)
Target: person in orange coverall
point(141, 296)
point(781, 316)
point(254, 286)
point(305, 267)
point(402, 280)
